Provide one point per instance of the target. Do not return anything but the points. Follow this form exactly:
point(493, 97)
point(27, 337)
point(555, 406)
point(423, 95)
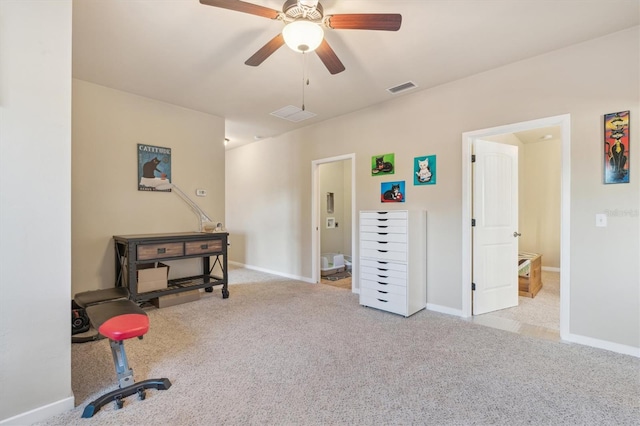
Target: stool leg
point(125, 374)
point(125, 381)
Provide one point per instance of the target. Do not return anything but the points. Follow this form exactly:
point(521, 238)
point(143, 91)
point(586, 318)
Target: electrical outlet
point(601, 220)
point(201, 192)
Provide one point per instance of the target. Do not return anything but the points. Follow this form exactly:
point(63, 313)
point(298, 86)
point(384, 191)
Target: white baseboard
point(41, 413)
point(269, 271)
point(444, 310)
point(550, 269)
point(603, 344)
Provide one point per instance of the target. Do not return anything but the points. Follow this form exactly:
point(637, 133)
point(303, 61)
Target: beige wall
point(335, 177)
point(605, 304)
point(35, 210)
point(540, 217)
point(107, 126)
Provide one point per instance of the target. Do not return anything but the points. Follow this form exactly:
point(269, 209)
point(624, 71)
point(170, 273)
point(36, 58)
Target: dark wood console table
point(132, 250)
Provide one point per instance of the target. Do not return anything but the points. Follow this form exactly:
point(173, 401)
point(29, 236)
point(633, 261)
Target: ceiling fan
point(304, 32)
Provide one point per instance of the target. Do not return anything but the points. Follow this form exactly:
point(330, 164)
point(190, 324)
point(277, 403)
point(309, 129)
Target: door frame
point(564, 121)
point(315, 215)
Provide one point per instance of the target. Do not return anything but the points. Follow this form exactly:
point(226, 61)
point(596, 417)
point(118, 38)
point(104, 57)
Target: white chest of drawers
point(393, 259)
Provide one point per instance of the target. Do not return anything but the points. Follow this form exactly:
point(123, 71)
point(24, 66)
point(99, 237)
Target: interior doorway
point(563, 125)
point(536, 310)
point(333, 219)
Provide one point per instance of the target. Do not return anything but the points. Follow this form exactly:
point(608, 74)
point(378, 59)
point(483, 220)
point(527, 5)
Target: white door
point(495, 242)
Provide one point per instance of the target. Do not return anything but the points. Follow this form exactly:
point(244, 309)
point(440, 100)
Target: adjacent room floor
point(538, 316)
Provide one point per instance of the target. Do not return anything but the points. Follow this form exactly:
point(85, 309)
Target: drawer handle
point(383, 226)
point(383, 292)
point(383, 242)
point(204, 246)
point(383, 220)
point(162, 250)
point(382, 212)
point(383, 276)
point(383, 233)
point(382, 300)
point(383, 251)
point(384, 263)
point(383, 283)
point(380, 269)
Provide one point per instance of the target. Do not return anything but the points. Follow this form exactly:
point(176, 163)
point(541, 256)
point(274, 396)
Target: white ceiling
point(192, 55)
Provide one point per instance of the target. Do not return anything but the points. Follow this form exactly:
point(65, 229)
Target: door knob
point(516, 234)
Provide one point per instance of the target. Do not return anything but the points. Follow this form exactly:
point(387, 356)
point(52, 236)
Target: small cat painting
point(424, 172)
point(380, 166)
point(393, 193)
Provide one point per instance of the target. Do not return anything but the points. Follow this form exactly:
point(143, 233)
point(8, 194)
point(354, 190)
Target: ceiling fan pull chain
point(304, 62)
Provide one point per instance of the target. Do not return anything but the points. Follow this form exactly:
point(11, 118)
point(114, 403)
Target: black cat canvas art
point(154, 168)
point(382, 164)
point(392, 192)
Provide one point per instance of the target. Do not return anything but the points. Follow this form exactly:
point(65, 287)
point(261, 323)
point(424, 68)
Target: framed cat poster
point(424, 170)
point(383, 164)
point(154, 168)
point(616, 147)
point(392, 192)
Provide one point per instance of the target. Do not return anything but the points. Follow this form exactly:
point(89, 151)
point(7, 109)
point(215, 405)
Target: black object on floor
point(338, 276)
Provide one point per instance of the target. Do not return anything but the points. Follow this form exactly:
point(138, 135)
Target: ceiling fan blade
point(243, 6)
point(365, 21)
point(329, 58)
point(266, 51)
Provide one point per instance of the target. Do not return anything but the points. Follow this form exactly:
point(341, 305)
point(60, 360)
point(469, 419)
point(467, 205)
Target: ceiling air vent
point(402, 87)
point(293, 113)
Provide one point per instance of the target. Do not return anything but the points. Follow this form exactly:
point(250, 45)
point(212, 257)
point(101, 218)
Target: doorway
point(333, 219)
point(563, 123)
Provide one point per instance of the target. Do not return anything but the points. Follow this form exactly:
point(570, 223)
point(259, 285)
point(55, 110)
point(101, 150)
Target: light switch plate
point(201, 192)
point(601, 220)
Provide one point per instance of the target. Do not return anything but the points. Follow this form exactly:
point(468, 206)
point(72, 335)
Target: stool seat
point(125, 327)
point(118, 319)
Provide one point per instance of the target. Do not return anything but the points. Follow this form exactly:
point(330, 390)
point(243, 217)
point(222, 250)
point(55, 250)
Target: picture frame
point(383, 164)
point(616, 147)
point(154, 168)
point(392, 192)
point(424, 170)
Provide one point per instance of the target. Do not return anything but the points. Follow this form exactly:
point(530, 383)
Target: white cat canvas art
point(424, 170)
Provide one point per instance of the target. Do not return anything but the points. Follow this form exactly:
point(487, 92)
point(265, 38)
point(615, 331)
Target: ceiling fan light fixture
point(303, 36)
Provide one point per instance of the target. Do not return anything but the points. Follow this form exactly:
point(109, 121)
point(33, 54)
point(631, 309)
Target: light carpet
point(542, 310)
point(284, 352)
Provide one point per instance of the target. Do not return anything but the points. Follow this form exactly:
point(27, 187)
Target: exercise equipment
point(117, 318)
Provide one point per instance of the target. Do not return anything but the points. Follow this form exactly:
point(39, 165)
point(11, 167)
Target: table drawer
point(393, 214)
point(397, 305)
point(384, 236)
point(202, 247)
point(159, 251)
point(383, 273)
point(383, 245)
point(400, 256)
point(384, 279)
point(383, 266)
point(382, 287)
point(385, 228)
point(385, 223)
